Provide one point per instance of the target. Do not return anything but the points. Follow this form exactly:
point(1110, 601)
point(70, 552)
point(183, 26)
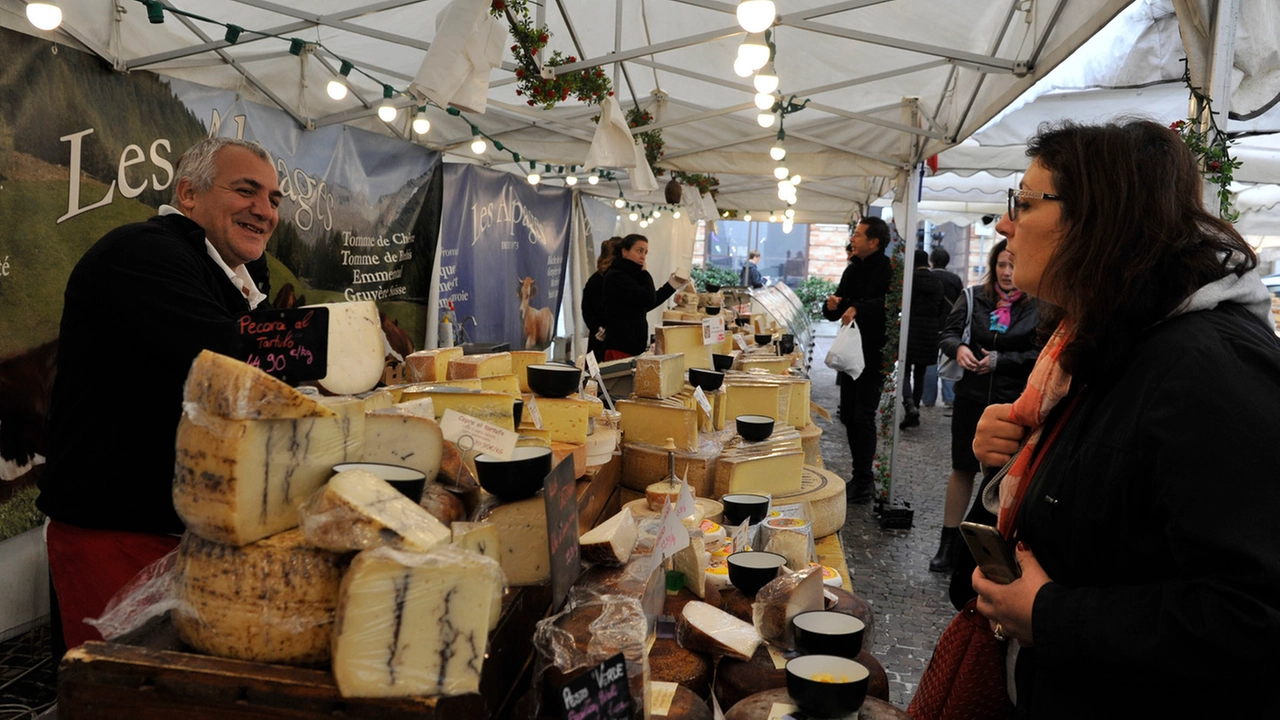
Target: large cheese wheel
point(759, 705)
point(228, 388)
point(668, 662)
point(825, 493)
point(572, 652)
point(269, 601)
point(356, 348)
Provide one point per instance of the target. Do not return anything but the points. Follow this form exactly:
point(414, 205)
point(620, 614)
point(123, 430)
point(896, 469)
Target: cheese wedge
point(270, 601)
point(357, 510)
point(652, 422)
point(413, 624)
point(775, 473)
point(685, 339)
point(508, 384)
point(565, 419)
point(610, 542)
point(430, 365)
point(494, 408)
point(480, 366)
point(659, 376)
point(237, 481)
point(228, 388)
point(482, 538)
point(784, 598)
point(770, 364)
point(692, 561)
point(402, 435)
point(356, 358)
point(522, 525)
point(704, 628)
point(520, 362)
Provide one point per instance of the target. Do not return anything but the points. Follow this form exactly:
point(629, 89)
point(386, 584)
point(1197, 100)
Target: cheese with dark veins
point(414, 624)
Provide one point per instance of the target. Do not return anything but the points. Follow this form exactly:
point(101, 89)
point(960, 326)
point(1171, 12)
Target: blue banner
point(503, 248)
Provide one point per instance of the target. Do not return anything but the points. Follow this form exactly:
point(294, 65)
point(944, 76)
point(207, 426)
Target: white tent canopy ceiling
point(1132, 67)
point(889, 82)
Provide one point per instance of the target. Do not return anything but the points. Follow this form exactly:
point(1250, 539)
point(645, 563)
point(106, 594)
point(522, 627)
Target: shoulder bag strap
point(968, 320)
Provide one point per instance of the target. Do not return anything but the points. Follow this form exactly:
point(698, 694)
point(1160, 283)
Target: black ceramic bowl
point(754, 427)
point(786, 344)
point(742, 321)
point(721, 362)
point(713, 309)
point(827, 686)
point(712, 287)
point(408, 481)
point(517, 412)
point(517, 478)
point(553, 381)
point(708, 380)
point(763, 339)
point(744, 506)
point(750, 570)
point(826, 632)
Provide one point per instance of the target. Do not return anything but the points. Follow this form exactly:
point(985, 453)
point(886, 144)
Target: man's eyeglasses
point(1014, 195)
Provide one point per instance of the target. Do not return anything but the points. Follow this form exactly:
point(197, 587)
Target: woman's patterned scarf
point(1002, 315)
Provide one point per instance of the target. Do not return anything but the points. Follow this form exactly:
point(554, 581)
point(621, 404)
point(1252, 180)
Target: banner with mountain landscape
point(84, 149)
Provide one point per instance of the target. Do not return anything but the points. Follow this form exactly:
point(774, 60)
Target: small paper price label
point(741, 342)
point(741, 537)
point(660, 696)
point(672, 535)
point(531, 409)
point(703, 403)
point(712, 330)
point(593, 367)
point(686, 505)
point(783, 711)
point(484, 438)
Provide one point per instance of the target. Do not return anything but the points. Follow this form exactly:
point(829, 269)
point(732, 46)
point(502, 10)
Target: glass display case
point(779, 302)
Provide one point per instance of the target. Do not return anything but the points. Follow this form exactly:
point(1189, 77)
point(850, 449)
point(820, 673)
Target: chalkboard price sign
point(561, 496)
point(603, 693)
point(292, 345)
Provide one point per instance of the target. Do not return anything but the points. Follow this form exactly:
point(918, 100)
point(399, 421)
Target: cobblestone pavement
point(890, 568)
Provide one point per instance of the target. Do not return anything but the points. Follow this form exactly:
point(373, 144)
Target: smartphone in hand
point(991, 552)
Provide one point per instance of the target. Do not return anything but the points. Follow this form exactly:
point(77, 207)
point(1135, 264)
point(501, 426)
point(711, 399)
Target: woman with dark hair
point(628, 296)
point(593, 300)
point(997, 360)
point(1142, 492)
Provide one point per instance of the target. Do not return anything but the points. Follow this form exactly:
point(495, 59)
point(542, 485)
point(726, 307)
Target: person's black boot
point(860, 491)
point(942, 561)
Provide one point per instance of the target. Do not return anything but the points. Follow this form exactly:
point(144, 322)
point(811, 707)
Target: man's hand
point(833, 302)
point(997, 438)
point(848, 316)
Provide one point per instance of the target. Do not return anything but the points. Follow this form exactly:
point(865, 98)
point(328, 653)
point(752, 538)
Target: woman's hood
point(1246, 290)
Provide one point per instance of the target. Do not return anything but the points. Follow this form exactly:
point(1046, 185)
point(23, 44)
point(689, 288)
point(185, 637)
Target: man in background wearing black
point(952, 288)
point(860, 297)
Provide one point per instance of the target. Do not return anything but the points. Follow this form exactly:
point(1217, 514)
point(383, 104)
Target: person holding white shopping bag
point(861, 296)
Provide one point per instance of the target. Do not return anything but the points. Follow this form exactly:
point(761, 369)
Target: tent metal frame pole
point(210, 44)
point(977, 86)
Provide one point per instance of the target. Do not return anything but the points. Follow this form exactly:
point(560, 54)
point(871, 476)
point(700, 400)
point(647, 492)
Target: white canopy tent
point(889, 82)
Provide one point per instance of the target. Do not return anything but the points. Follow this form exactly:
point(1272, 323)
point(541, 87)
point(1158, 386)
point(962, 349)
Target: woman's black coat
point(628, 296)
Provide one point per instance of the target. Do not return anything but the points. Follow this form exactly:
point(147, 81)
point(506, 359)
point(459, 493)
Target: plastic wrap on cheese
point(414, 623)
point(269, 601)
point(784, 598)
point(357, 510)
point(591, 629)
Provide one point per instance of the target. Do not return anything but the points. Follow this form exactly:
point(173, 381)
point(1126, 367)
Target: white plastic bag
point(845, 354)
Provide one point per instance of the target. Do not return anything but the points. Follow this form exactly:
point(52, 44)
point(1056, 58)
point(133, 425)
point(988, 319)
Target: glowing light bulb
point(747, 217)
point(633, 216)
point(644, 223)
point(45, 16)
point(778, 152)
point(754, 51)
point(421, 124)
point(766, 80)
point(387, 111)
point(336, 88)
point(790, 213)
point(619, 202)
point(676, 214)
point(764, 101)
point(787, 226)
point(593, 179)
point(478, 145)
point(781, 172)
point(571, 180)
point(740, 68)
point(756, 15)
point(773, 217)
point(534, 178)
point(766, 119)
point(657, 214)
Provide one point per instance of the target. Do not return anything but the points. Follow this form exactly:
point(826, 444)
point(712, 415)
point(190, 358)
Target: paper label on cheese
point(701, 397)
point(822, 412)
point(660, 696)
point(685, 504)
point(741, 536)
point(672, 534)
point(531, 409)
point(741, 342)
point(712, 330)
point(775, 654)
point(471, 433)
point(593, 367)
point(783, 711)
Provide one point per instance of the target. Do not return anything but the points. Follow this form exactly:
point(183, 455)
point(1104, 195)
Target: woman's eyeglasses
point(1032, 194)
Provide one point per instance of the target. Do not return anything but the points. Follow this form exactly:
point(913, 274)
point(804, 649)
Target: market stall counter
point(149, 674)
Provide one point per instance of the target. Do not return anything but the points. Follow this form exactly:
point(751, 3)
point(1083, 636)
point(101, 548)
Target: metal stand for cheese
point(780, 303)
